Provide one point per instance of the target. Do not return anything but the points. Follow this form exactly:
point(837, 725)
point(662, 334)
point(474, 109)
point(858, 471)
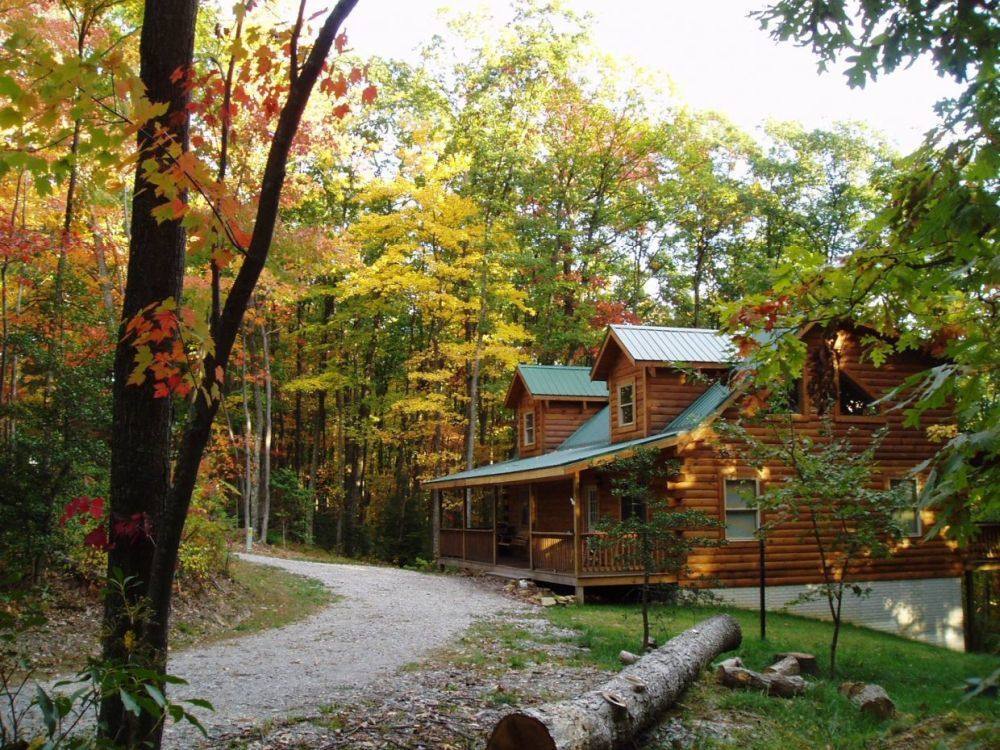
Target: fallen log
point(733, 674)
point(870, 699)
point(613, 714)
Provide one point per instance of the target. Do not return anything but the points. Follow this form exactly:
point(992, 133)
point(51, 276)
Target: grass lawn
point(924, 681)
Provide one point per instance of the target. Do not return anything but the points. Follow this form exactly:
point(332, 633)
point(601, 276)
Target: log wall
point(792, 556)
point(555, 420)
point(624, 371)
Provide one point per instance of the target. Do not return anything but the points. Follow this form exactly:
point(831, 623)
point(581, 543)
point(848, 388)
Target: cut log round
point(591, 722)
point(870, 699)
point(807, 662)
point(787, 666)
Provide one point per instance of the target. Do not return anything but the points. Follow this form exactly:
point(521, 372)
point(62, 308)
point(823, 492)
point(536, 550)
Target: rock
point(547, 601)
point(627, 657)
point(523, 583)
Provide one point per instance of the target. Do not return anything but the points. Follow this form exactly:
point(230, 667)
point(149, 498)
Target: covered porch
point(540, 530)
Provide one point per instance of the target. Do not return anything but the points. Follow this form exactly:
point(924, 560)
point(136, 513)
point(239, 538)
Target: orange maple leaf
point(340, 43)
point(339, 87)
point(369, 94)
point(341, 111)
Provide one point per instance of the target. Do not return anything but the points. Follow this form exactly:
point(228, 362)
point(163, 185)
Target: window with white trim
point(907, 517)
point(742, 518)
point(626, 404)
point(593, 508)
point(529, 427)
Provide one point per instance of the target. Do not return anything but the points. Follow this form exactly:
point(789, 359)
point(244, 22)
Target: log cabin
point(664, 388)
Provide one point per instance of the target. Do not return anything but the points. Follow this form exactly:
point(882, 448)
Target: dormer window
point(852, 399)
point(529, 428)
point(626, 404)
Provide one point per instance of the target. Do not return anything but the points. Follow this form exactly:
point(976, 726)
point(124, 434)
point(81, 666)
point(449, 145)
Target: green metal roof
point(594, 431)
point(593, 439)
point(700, 409)
point(560, 381)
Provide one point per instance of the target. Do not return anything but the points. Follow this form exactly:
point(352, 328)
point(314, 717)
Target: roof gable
point(556, 382)
point(661, 344)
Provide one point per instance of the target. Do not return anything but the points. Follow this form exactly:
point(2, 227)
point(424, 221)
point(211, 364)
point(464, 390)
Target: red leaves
point(340, 43)
point(341, 111)
point(83, 506)
point(123, 528)
point(339, 87)
point(88, 509)
point(764, 315)
point(132, 529)
point(369, 94)
point(98, 539)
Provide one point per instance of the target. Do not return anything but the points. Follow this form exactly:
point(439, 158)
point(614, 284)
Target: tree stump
point(639, 693)
point(787, 666)
point(870, 699)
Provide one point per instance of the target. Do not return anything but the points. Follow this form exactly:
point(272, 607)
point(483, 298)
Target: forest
point(502, 201)
point(256, 287)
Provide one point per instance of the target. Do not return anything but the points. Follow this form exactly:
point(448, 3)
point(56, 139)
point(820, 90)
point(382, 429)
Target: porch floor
point(551, 576)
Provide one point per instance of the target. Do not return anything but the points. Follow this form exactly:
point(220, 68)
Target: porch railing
point(467, 544)
point(618, 556)
point(552, 551)
point(479, 545)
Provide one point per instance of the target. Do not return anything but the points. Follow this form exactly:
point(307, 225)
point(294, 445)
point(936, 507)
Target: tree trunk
point(140, 457)
point(614, 714)
point(264, 493)
point(140, 438)
point(249, 488)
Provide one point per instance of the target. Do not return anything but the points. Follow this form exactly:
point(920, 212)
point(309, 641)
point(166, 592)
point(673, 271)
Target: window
point(593, 508)
point(907, 517)
point(529, 428)
point(742, 519)
point(626, 404)
point(852, 399)
point(633, 510)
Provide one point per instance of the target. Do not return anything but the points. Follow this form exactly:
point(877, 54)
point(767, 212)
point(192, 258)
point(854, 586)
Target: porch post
point(496, 492)
point(436, 524)
point(531, 526)
point(466, 498)
point(577, 516)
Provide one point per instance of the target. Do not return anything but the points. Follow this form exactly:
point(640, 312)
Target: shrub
point(203, 549)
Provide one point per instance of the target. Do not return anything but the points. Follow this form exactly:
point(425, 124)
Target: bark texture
point(870, 699)
point(615, 713)
point(733, 674)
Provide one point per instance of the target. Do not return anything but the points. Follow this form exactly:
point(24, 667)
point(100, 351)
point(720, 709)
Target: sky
point(716, 57)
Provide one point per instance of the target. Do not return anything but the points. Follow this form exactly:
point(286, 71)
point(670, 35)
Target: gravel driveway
point(385, 618)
